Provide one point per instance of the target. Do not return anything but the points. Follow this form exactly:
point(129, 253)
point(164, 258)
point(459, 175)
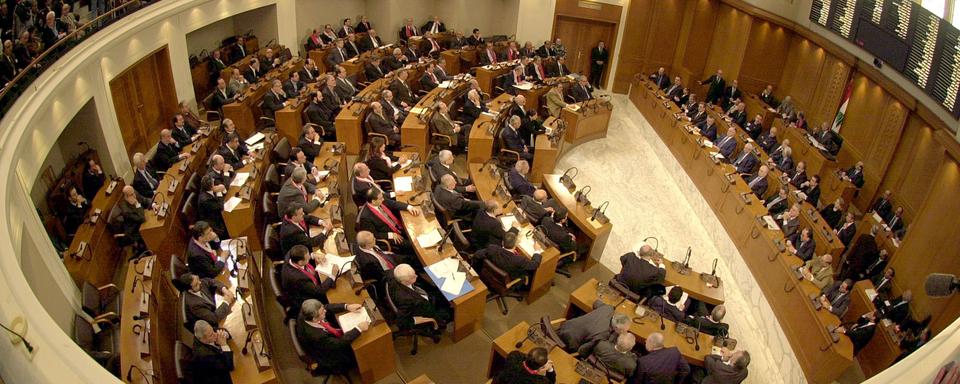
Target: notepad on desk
point(446, 84)
point(240, 179)
point(231, 203)
point(417, 110)
point(573, 107)
point(350, 320)
point(771, 223)
point(326, 268)
point(453, 283)
point(403, 184)
point(429, 238)
point(507, 221)
point(527, 243)
point(255, 138)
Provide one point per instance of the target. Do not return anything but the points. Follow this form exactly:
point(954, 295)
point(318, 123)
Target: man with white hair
point(168, 151)
point(220, 172)
point(416, 305)
point(443, 165)
point(144, 180)
point(582, 333)
point(660, 365)
point(445, 194)
point(375, 263)
point(517, 178)
point(52, 31)
point(378, 122)
point(396, 111)
point(210, 360)
point(326, 343)
point(513, 140)
point(618, 356)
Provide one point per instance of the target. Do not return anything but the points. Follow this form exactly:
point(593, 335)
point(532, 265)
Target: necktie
point(331, 330)
point(423, 293)
point(560, 68)
point(150, 179)
point(754, 182)
point(724, 141)
point(375, 43)
point(385, 260)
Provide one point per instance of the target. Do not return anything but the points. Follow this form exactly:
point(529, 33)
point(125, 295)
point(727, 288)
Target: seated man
point(513, 141)
point(378, 122)
point(896, 310)
point(443, 165)
point(415, 304)
point(728, 367)
point(708, 128)
point(860, 332)
point(554, 227)
point(381, 216)
point(671, 306)
point(132, 209)
point(210, 206)
point(847, 230)
point(769, 141)
point(618, 356)
point(395, 112)
point(168, 152)
point(833, 213)
point(789, 221)
point(318, 112)
point(200, 300)
point(581, 334)
point(758, 183)
point(811, 190)
point(274, 100)
point(429, 79)
point(376, 264)
point(642, 271)
point(293, 86)
point(582, 91)
point(509, 259)
point(325, 343)
point(660, 364)
point(298, 159)
point(443, 124)
point(210, 359)
point(295, 229)
point(802, 244)
point(819, 271)
point(836, 297)
point(487, 228)
point(798, 176)
point(854, 175)
point(746, 160)
point(517, 177)
point(446, 195)
point(711, 324)
point(182, 133)
point(778, 203)
point(202, 260)
point(534, 367)
point(296, 190)
point(538, 206)
point(310, 143)
point(299, 279)
point(727, 144)
point(230, 150)
point(144, 180)
point(220, 173)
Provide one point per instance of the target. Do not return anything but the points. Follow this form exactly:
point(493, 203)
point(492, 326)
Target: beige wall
point(316, 13)
point(209, 37)
point(262, 22)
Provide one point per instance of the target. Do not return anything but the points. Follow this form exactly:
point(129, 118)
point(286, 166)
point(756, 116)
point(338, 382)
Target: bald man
point(418, 305)
point(445, 194)
point(642, 271)
point(168, 152)
point(443, 165)
point(660, 365)
point(618, 356)
point(538, 206)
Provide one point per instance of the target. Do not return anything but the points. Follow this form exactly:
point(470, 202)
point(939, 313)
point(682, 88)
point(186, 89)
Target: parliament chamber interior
point(480, 191)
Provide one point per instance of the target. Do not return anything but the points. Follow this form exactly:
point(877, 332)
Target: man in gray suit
point(619, 356)
point(538, 206)
point(583, 333)
point(728, 368)
point(296, 190)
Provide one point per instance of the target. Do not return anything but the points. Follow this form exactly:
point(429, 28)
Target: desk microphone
point(696, 338)
point(142, 373)
point(530, 332)
point(662, 325)
point(133, 286)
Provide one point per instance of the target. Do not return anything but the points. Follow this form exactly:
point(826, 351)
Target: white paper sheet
point(524, 86)
point(454, 283)
point(445, 267)
point(240, 179)
point(231, 203)
point(429, 239)
point(417, 110)
point(350, 320)
point(255, 138)
point(446, 84)
point(507, 221)
point(871, 293)
point(526, 243)
point(326, 267)
point(403, 184)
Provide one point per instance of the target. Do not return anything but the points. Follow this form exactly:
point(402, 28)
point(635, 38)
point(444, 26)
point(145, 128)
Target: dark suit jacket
point(582, 333)
point(759, 188)
point(183, 137)
point(487, 230)
point(272, 103)
point(720, 373)
point(777, 207)
point(205, 308)
point(252, 76)
point(520, 185)
point(534, 210)
point(883, 207)
point(804, 249)
point(669, 312)
point(709, 131)
point(517, 266)
point(410, 303)
point(427, 83)
point(366, 43)
point(200, 263)
point(856, 177)
point(370, 222)
point(428, 26)
point(326, 349)
point(288, 87)
point(768, 143)
point(727, 147)
point(753, 129)
point(379, 169)
point(166, 156)
point(318, 113)
point(401, 93)
point(747, 164)
point(471, 112)
point(291, 235)
point(716, 88)
point(373, 72)
point(210, 209)
point(661, 366)
point(309, 76)
point(210, 364)
point(141, 185)
point(579, 93)
point(839, 301)
point(813, 195)
point(455, 203)
point(639, 275)
point(846, 234)
point(289, 194)
point(514, 372)
point(370, 268)
point(708, 326)
point(298, 287)
point(662, 81)
point(232, 157)
point(484, 57)
point(554, 70)
point(557, 234)
point(438, 171)
point(860, 333)
point(512, 140)
point(797, 177)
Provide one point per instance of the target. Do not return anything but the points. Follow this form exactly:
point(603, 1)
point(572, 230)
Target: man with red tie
point(296, 190)
point(489, 56)
point(202, 259)
point(429, 79)
point(374, 263)
point(536, 69)
point(408, 30)
point(507, 257)
point(327, 344)
point(299, 279)
point(295, 229)
point(381, 216)
point(512, 52)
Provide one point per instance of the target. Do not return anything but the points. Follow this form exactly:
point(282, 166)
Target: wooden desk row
point(738, 210)
point(246, 219)
point(565, 365)
point(468, 309)
point(416, 130)
point(245, 111)
point(350, 120)
point(97, 261)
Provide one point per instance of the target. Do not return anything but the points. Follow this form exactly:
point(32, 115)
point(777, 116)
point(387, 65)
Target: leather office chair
point(177, 268)
point(181, 359)
point(271, 213)
point(103, 347)
point(405, 330)
point(211, 113)
point(278, 292)
point(265, 122)
point(101, 302)
point(271, 243)
point(182, 317)
point(271, 179)
point(301, 353)
point(500, 285)
point(188, 214)
point(506, 158)
point(281, 151)
point(193, 183)
point(624, 291)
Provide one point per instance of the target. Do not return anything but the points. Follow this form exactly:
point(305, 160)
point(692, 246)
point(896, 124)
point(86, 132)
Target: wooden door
point(580, 36)
point(144, 100)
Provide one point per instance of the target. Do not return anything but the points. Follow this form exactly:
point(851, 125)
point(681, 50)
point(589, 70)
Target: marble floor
point(650, 195)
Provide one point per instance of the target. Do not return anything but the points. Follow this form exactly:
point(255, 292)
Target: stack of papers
point(573, 107)
point(526, 243)
point(524, 86)
point(446, 84)
point(240, 179)
point(326, 267)
point(231, 203)
point(507, 221)
point(256, 138)
point(452, 280)
point(403, 184)
point(350, 320)
point(417, 110)
point(429, 239)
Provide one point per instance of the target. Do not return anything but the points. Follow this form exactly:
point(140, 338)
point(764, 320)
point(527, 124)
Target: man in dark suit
point(811, 188)
point(475, 39)
point(799, 174)
point(144, 180)
point(429, 79)
point(642, 272)
point(746, 160)
point(698, 115)
point(582, 91)
point(200, 300)
point(327, 344)
point(558, 68)
point(660, 364)
point(350, 46)
point(835, 298)
point(517, 179)
point(363, 25)
point(672, 307)
point(876, 267)
point(660, 78)
point(434, 25)
point(210, 206)
point(847, 230)
point(408, 30)
point(534, 367)
point(488, 56)
point(274, 100)
point(378, 122)
point(777, 203)
point(221, 96)
point(506, 257)
point(738, 114)
point(299, 279)
point(538, 206)
point(802, 245)
point(373, 69)
point(789, 221)
point(582, 333)
point(401, 90)
point(202, 260)
point(446, 195)
point(168, 152)
point(711, 324)
point(93, 179)
point(897, 310)
point(767, 96)
point(769, 142)
point(429, 47)
point(883, 283)
point(309, 74)
point(554, 228)
point(376, 264)
point(253, 72)
point(758, 183)
point(708, 129)
point(413, 301)
point(293, 86)
point(295, 229)
point(895, 221)
point(716, 87)
point(371, 41)
point(238, 51)
point(862, 254)
point(319, 113)
point(296, 191)
point(730, 367)
point(395, 112)
point(513, 141)
point(861, 332)
point(336, 55)
point(827, 138)
point(854, 175)
point(884, 205)
point(346, 28)
point(381, 216)
point(755, 127)
point(731, 94)
point(443, 165)
point(210, 362)
point(230, 151)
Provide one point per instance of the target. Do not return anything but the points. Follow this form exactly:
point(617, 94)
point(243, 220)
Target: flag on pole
point(842, 112)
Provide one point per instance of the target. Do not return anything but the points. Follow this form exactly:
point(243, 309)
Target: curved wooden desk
point(564, 363)
point(349, 121)
point(100, 256)
point(581, 216)
point(415, 131)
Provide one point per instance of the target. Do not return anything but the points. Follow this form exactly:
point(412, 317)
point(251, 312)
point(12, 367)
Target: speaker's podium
point(587, 120)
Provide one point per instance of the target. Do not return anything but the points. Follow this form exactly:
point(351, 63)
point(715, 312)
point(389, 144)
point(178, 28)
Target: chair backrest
point(271, 213)
point(182, 303)
point(460, 241)
point(301, 353)
point(271, 179)
point(271, 243)
point(275, 284)
point(189, 211)
point(550, 332)
point(281, 151)
point(624, 290)
point(181, 357)
point(390, 305)
point(115, 220)
point(495, 278)
point(91, 299)
point(177, 268)
point(83, 333)
point(194, 182)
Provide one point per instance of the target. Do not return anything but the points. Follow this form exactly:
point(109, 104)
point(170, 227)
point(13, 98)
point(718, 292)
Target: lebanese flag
point(842, 112)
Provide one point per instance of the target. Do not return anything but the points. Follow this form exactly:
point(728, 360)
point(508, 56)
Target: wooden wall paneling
point(582, 25)
point(596, 11)
point(913, 167)
point(932, 245)
point(694, 44)
point(652, 27)
point(730, 37)
point(801, 72)
point(830, 87)
point(765, 56)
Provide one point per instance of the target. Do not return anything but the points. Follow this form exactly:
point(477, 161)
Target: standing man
point(598, 60)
